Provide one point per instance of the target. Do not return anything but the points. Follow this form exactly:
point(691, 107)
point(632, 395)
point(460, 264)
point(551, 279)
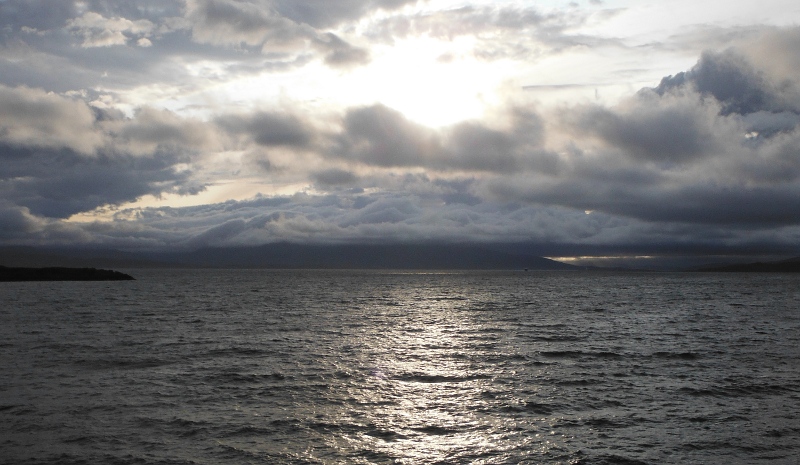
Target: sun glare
point(431, 82)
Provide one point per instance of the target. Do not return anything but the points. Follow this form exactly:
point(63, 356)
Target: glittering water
point(324, 367)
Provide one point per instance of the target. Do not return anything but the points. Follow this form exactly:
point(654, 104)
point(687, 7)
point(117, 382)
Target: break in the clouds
point(578, 127)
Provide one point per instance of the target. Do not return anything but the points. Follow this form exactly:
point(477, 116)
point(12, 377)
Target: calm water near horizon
point(341, 367)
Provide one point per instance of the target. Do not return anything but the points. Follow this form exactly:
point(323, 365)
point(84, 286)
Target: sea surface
point(361, 367)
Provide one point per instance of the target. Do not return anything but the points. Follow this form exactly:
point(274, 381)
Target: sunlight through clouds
point(593, 124)
point(430, 82)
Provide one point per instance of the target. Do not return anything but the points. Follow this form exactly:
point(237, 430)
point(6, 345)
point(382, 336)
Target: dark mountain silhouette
point(61, 274)
point(791, 265)
point(368, 256)
point(287, 255)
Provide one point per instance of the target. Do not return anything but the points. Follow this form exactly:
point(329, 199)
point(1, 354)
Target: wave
point(245, 378)
point(677, 355)
point(426, 378)
point(608, 460)
point(434, 430)
point(122, 363)
point(740, 390)
point(537, 408)
point(580, 354)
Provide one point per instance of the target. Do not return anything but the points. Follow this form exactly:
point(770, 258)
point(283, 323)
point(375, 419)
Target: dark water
point(325, 367)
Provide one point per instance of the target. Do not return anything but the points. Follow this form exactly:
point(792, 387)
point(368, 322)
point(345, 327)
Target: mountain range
point(288, 255)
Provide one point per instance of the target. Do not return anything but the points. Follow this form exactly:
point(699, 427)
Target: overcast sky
point(590, 127)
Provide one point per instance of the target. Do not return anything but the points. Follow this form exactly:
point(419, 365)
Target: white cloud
point(98, 31)
point(35, 118)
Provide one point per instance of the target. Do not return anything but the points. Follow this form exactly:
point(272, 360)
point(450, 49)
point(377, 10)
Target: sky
point(598, 128)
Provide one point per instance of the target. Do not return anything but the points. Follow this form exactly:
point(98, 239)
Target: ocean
point(363, 367)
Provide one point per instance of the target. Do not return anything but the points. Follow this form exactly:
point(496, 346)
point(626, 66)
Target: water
point(327, 367)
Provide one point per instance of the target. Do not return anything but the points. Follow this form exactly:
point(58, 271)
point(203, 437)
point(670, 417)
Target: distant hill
point(299, 256)
point(791, 265)
point(60, 274)
point(369, 256)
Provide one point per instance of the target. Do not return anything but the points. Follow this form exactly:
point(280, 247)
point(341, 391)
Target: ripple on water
point(328, 367)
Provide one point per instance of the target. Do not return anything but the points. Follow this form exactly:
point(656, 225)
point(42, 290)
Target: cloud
point(740, 78)
point(671, 128)
point(38, 15)
point(256, 21)
point(729, 78)
point(380, 136)
point(707, 156)
point(477, 147)
point(334, 177)
point(329, 14)
point(500, 32)
point(153, 130)
point(347, 218)
point(98, 31)
point(240, 22)
point(676, 158)
point(340, 54)
point(398, 216)
point(59, 157)
point(17, 222)
point(34, 118)
point(285, 27)
point(58, 184)
point(269, 129)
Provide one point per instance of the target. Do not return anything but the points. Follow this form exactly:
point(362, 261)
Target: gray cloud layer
point(709, 157)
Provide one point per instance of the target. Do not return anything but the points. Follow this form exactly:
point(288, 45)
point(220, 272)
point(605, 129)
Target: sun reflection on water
point(427, 393)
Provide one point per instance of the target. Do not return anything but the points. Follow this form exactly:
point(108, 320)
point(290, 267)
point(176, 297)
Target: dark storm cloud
point(703, 203)
point(681, 154)
point(730, 79)
point(58, 184)
point(218, 234)
point(417, 213)
point(380, 136)
point(334, 177)
point(480, 148)
point(269, 129)
point(669, 129)
point(402, 215)
point(60, 158)
point(716, 146)
point(282, 26)
point(16, 222)
point(153, 129)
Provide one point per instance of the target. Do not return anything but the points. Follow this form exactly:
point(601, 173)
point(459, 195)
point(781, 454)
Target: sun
point(431, 82)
